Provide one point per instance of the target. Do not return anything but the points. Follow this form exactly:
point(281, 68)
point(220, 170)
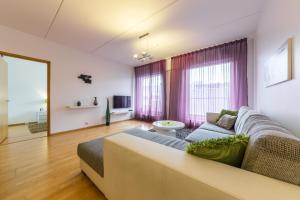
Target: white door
point(3, 100)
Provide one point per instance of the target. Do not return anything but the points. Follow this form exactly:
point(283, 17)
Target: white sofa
point(138, 169)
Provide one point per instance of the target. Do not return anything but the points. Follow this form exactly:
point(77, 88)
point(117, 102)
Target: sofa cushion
point(253, 127)
point(228, 150)
point(158, 138)
point(212, 117)
point(226, 121)
point(274, 154)
point(243, 110)
point(203, 134)
point(228, 112)
point(254, 122)
point(91, 152)
point(249, 120)
point(215, 128)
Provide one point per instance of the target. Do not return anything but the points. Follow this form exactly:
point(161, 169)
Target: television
point(121, 101)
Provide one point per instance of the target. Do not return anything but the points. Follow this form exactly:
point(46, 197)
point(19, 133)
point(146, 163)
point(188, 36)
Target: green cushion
point(227, 112)
point(228, 150)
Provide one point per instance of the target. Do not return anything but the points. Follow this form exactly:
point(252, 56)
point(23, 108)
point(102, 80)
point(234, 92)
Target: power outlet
point(86, 123)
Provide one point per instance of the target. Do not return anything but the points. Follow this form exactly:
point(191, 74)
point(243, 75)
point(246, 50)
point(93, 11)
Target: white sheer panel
point(152, 95)
point(209, 90)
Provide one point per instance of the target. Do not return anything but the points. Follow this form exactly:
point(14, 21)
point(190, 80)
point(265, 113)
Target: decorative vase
point(95, 101)
point(107, 113)
point(78, 103)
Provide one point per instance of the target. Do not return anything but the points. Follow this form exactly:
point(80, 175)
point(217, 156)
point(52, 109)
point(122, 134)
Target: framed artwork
point(279, 67)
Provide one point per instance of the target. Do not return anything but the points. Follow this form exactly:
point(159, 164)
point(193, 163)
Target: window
point(209, 89)
point(150, 91)
point(151, 94)
point(208, 80)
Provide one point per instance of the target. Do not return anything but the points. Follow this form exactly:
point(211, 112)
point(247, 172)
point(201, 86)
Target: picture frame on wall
point(279, 68)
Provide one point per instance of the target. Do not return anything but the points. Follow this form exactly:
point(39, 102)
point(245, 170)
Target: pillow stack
point(227, 119)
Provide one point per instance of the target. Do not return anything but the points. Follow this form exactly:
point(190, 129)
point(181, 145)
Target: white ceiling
point(110, 29)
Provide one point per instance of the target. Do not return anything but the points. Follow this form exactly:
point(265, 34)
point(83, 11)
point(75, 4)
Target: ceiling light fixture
point(144, 55)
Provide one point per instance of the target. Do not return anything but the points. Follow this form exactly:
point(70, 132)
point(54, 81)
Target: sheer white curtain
point(150, 91)
point(209, 90)
point(151, 87)
point(208, 80)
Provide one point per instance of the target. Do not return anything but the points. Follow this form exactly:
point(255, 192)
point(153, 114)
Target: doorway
point(25, 103)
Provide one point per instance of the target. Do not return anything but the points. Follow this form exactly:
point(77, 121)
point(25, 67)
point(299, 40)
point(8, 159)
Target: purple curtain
point(208, 80)
point(150, 91)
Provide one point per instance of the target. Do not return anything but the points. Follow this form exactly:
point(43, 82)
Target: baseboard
point(88, 127)
point(20, 124)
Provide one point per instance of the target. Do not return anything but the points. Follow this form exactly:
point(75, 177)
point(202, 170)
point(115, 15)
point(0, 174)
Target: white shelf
point(82, 107)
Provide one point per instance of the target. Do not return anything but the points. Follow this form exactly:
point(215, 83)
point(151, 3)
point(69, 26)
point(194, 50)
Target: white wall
point(66, 64)
point(27, 89)
point(279, 21)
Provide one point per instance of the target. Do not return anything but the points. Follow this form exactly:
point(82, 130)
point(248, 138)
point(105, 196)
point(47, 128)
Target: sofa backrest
point(272, 149)
point(252, 122)
point(274, 154)
point(138, 169)
point(241, 117)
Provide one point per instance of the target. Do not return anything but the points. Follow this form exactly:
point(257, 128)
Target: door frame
point(48, 81)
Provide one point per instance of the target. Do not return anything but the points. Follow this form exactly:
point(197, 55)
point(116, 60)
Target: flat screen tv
point(121, 101)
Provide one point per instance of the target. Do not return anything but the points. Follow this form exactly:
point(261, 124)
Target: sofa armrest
point(136, 169)
point(274, 154)
point(212, 117)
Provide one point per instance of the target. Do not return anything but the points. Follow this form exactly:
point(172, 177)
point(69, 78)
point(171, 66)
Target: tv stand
point(121, 112)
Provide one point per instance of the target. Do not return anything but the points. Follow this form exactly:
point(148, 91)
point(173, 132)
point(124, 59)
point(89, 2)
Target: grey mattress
point(92, 152)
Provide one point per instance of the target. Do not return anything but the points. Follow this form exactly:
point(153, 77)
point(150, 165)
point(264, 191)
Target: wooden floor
point(48, 167)
point(21, 133)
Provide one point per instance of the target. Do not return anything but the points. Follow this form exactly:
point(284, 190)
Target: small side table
point(168, 126)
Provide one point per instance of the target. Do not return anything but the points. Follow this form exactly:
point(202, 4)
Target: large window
point(208, 80)
point(150, 91)
point(151, 95)
point(209, 89)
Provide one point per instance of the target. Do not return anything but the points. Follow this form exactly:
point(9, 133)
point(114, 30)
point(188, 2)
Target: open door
point(3, 100)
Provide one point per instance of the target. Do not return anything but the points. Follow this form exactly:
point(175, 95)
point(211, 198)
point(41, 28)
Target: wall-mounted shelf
point(82, 107)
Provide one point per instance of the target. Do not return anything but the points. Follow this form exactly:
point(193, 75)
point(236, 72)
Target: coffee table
point(167, 126)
